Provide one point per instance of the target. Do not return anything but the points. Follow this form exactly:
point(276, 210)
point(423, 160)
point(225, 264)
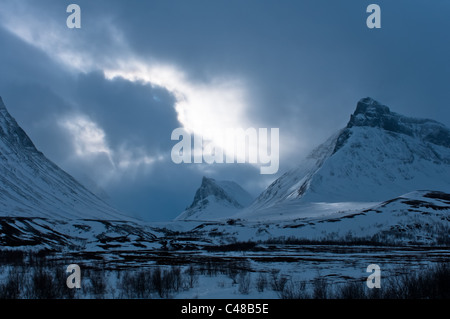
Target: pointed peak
point(370, 112)
point(2, 105)
point(207, 179)
point(209, 183)
point(371, 108)
point(10, 130)
point(209, 187)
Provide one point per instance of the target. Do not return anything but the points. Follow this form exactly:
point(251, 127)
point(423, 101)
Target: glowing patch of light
point(201, 108)
point(217, 105)
point(88, 138)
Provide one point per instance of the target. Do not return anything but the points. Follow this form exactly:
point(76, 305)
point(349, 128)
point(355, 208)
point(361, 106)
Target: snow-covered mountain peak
point(379, 154)
point(12, 133)
point(210, 187)
point(371, 113)
point(221, 190)
point(33, 186)
point(216, 199)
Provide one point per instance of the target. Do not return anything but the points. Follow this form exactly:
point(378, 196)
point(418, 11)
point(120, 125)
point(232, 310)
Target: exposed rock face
point(379, 154)
point(216, 199)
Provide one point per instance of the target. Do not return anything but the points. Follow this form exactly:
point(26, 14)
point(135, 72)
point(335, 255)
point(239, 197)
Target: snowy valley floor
point(245, 270)
point(314, 256)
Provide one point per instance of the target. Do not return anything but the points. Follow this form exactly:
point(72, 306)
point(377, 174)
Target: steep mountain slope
point(216, 200)
point(379, 155)
point(43, 207)
point(33, 186)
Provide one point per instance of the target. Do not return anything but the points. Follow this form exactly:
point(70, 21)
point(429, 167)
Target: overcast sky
point(102, 101)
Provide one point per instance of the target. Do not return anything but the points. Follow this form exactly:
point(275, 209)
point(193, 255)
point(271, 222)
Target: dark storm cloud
point(128, 112)
point(303, 59)
point(305, 65)
point(132, 115)
point(33, 92)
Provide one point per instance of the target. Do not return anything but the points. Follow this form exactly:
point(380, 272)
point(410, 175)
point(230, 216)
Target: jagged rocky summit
point(380, 154)
point(215, 200)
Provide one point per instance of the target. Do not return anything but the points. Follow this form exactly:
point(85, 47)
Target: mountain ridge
point(31, 185)
point(11, 132)
point(371, 113)
point(379, 154)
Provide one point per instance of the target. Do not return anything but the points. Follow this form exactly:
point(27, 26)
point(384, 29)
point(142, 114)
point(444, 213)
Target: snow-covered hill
point(216, 200)
point(379, 155)
point(33, 186)
point(41, 206)
point(419, 217)
point(416, 217)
